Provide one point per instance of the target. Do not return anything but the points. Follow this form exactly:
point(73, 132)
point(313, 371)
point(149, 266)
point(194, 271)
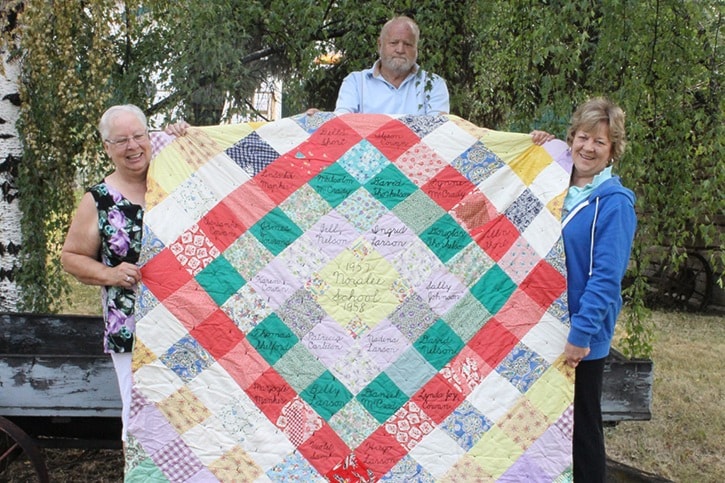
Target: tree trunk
point(11, 151)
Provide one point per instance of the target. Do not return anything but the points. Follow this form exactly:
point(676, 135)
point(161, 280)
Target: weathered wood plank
point(627, 389)
point(58, 386)
point(43, 334)
point(54, 365)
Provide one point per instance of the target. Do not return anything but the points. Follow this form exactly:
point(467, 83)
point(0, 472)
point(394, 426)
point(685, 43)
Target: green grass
point(84, 300)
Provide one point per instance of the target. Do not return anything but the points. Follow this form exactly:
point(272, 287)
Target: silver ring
point(128, 278)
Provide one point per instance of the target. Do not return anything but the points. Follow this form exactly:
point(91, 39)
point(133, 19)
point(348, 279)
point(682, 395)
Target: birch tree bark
point(11, 151)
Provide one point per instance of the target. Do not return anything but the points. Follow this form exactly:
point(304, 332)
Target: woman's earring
point(611, 161)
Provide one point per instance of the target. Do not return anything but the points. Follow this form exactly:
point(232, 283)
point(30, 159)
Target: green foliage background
point(513, 65)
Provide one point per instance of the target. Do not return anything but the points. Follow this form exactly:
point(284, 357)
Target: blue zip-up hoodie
point(598, 235)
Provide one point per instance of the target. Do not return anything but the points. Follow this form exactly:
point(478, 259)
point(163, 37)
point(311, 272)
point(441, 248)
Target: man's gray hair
point(402, 18)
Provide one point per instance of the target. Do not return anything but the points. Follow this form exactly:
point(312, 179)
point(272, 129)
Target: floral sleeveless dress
point(120, 225)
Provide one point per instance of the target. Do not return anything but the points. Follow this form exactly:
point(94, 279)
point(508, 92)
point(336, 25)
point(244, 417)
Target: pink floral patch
point(193, 250)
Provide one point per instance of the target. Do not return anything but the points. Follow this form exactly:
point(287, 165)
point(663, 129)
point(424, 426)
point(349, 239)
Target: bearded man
point(395, 84)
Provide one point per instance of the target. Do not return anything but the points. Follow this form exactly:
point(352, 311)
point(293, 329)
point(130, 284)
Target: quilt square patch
point(252, 153)
point(334, 184)
point(466, 425)
point(393, 139)
point(420, 163)
point(187, 358)
point(477, 163)
point(448, 187)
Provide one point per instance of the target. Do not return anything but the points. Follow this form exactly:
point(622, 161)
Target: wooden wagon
point(57, 387)
point(691, 286)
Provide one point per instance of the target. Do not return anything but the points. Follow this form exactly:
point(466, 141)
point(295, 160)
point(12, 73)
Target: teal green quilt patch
point(494, 289)
point(439, 344)
point(445, 238)
point(276, 231)
point(390, 186)
point(382, 397)
point(334, 184)
point(220, 280)
point(272, 338)
point(144, 472)
point(326, 395)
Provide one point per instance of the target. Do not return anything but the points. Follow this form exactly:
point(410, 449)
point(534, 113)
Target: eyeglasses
point(123, 142)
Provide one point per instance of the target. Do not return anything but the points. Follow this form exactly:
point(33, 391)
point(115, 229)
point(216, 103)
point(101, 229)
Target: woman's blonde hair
point(588, 116)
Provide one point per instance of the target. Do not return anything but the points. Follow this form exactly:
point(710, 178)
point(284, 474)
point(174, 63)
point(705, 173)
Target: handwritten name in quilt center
point(438, 399)
point(274, 393)
point(440, 291)
point(332, 136)
point(272, 340)
point(378, 454)
point(276, 180)
point(383, 400)
point(347, 280)
point(353, 302)
point(321, 449)
point(390, 139)
point(389, 232)
point(272, 285)
point(325, 391)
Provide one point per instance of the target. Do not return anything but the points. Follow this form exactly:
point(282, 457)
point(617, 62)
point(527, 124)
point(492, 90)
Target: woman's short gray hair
point(104, 125)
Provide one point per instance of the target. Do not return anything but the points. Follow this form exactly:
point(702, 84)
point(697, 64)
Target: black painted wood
point(55, 381)
point(54, 366)
point(627, 389)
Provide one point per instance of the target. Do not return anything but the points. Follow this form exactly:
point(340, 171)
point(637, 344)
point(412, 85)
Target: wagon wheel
point(15, 441)
point(688, 288)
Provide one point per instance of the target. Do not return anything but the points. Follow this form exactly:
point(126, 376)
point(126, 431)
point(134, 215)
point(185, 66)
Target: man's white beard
point(400, 66)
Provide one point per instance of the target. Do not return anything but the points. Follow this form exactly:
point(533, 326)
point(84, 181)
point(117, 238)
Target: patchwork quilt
point(352, 298)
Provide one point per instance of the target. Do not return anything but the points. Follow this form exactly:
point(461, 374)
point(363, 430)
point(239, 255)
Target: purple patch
point(151, 428)
point(524, 470)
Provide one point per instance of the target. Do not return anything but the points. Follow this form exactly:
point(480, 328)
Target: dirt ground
point(71, 465)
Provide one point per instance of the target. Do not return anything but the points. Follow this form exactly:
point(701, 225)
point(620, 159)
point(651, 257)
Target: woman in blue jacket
point(598, 230)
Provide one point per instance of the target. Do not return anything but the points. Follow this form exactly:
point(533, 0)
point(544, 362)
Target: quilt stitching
point(371, 301)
